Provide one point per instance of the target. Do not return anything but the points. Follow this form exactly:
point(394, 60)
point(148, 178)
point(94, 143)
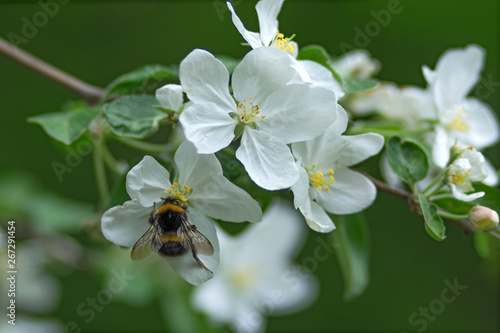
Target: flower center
point(458, 120)
point(459, 177)
point(176, 192)
point(249, 112)
point(321, 181)
point(283, 43)
point(242, 277)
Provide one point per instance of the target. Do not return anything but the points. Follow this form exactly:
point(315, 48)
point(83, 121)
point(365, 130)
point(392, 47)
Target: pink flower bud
point(483, 218)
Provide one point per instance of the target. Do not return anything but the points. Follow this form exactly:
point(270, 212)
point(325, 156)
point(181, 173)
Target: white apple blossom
point(267, 12)
point(269, 112)
point(325, 182)
point(409, 104)
point(356, 63)
point(468, 167)
point(256, 266)
point(201, 185)
point(465, 120)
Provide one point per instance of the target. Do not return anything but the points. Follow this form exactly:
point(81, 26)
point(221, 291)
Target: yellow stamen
point(247, 116)
point(459, 177)
point(458, 122)
point(320, 181)
point(283, 43)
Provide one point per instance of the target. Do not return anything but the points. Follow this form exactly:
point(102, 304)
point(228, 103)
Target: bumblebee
point(171, 234)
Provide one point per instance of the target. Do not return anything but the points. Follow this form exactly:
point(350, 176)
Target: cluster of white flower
point(284, 116)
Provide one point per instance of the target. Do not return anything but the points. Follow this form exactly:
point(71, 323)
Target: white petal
point(352, 149)
point(195, 169)
point(429, 74)
point(205, 79)
point(441, 147)
point(267, 160)
point(301, 188)
point(322, 77)
point(484, 130)
point(207, 126)
point(492, 178)
point(186, 266)
point(260, 73)
point(457, 193)
point(125, 224)
point(317, 219)
point(280, 219)
point(212, 194)
point(319, 150)
point(457, 71)
point(267, 11)
point(147, 182)
point(298, 112)
point(351, 193)
point(170, 96)
point(252, 38)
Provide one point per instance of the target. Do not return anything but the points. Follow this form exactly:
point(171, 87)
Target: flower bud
point(483, 218)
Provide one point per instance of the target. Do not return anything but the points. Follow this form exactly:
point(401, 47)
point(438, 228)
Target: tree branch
point(90, 93)
point(408, 197)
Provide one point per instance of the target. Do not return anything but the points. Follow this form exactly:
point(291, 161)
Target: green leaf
point(434, 225)
point(454, 206)
point(491, 198)
point(318, 54)
point(355, 85)
point(407, 159)
point(350, 243)
point(66, 127)
point(134, 116)
point(143, 80)
point(481, 244)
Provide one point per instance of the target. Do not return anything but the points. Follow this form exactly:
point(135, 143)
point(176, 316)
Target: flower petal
point(260, 73)
point(186, 266)
point(492, 178)
point(319, 149)
point(267, 160)
point(322, 77)
point(316, 217)
point(205, 79)
point(441, 147)
point(170, 96)
point(147, 181)
point(352, 149)
point(253, 38)
point(351, 193)
point(125, 224)
point(484, 130)
point(457, 71)
point(460, 195)
point(208, 126)
point(301, 188)
point(298, 112)
point(267, 11)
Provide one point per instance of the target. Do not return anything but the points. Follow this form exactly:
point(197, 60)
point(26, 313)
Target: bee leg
point(195, 256)
point(152, 215)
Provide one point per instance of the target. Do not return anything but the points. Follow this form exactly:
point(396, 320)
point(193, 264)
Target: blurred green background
point(97, 41)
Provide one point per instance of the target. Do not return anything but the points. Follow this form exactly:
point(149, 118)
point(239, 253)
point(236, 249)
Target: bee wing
point(191, 237)
point(144, 245)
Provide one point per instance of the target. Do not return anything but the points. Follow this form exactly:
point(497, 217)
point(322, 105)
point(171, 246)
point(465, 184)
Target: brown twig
point(90, 93)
